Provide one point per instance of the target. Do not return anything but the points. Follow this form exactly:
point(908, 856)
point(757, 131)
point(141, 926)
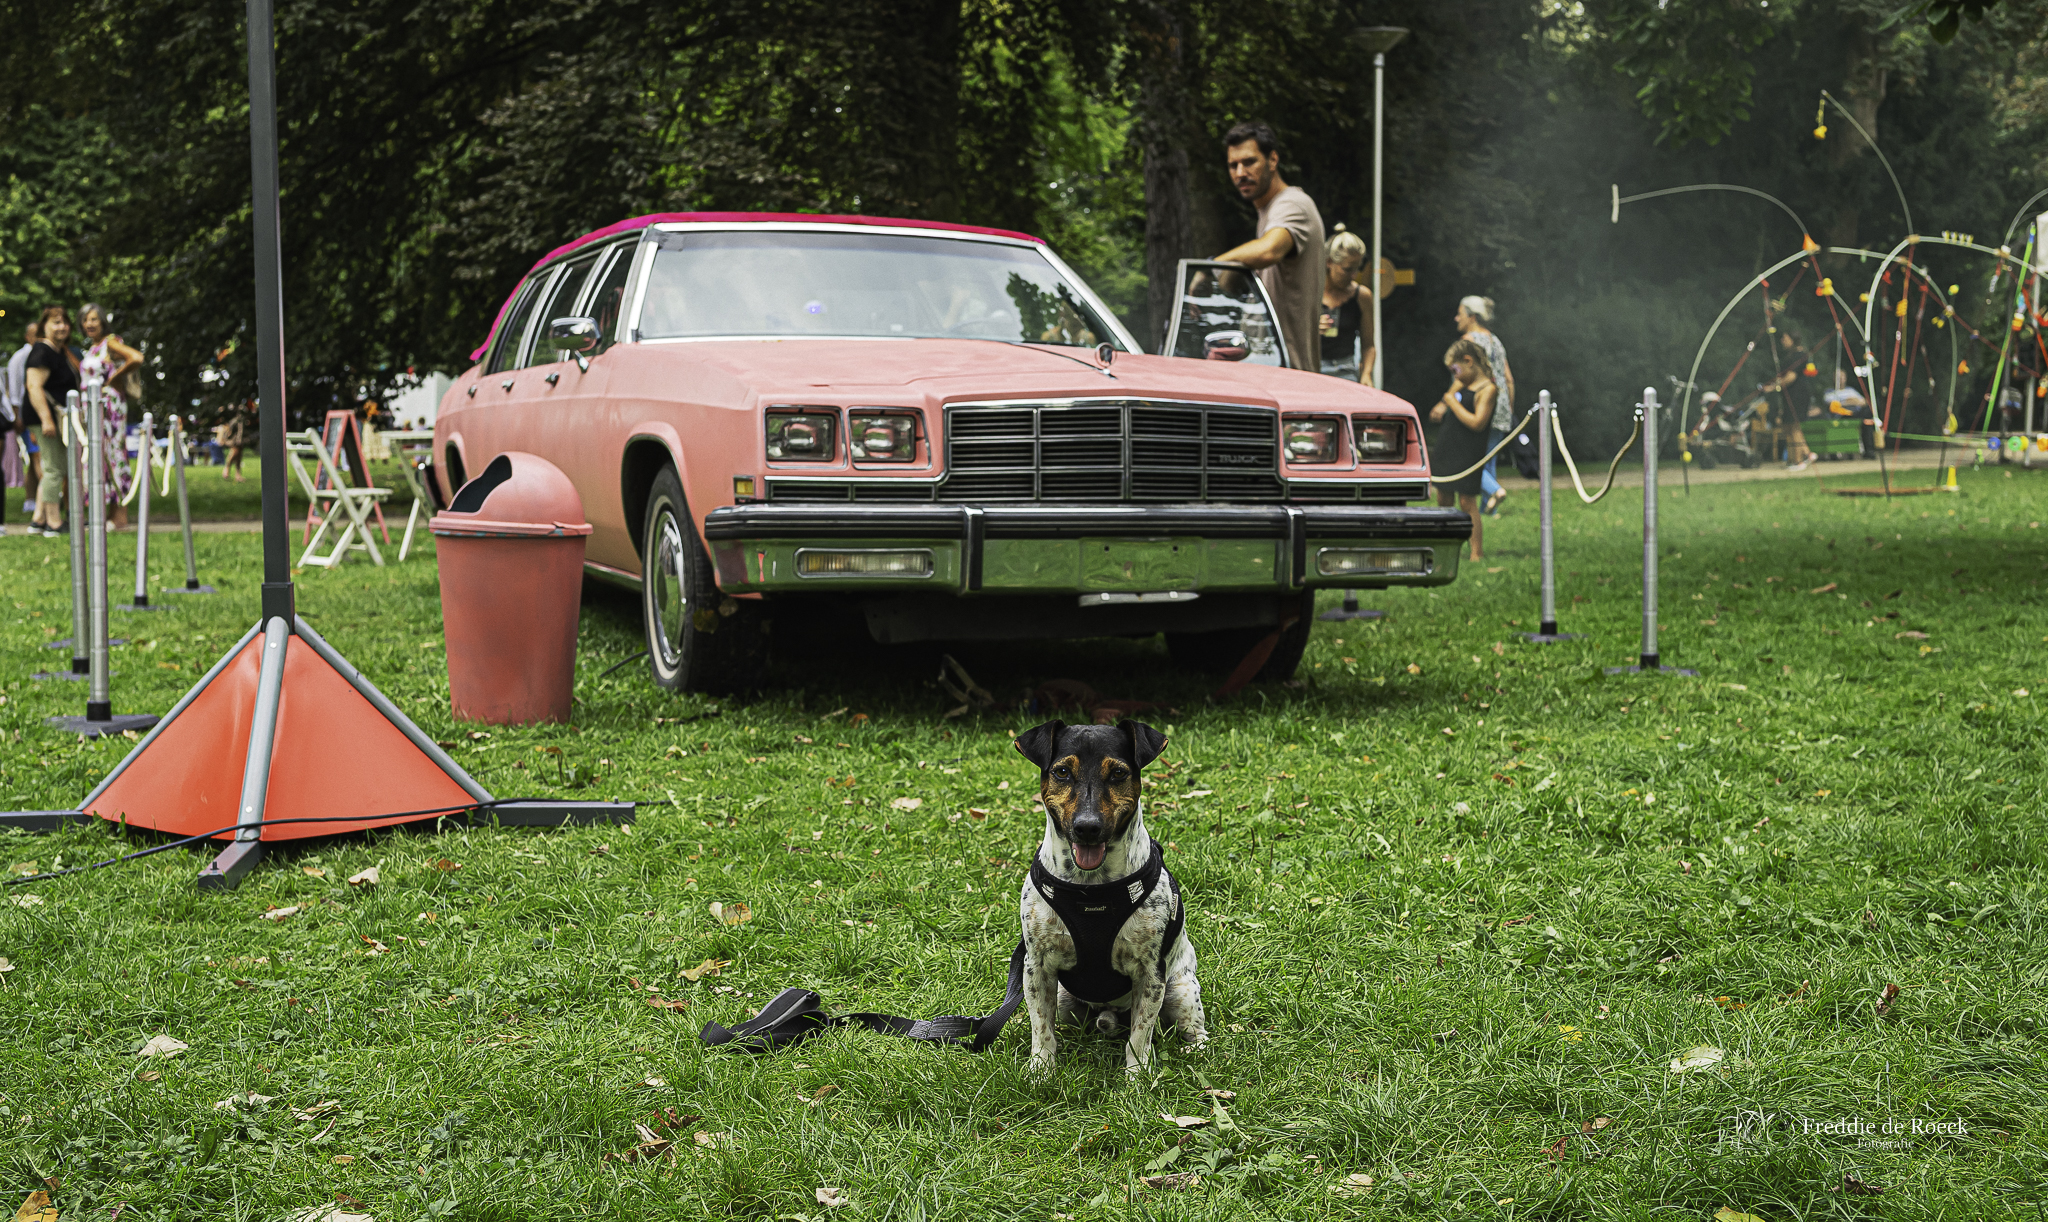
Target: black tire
point(698, 639)
point(1219, 652)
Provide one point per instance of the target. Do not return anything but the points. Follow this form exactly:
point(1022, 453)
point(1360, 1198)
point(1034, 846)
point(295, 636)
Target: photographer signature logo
point(1752, 1126)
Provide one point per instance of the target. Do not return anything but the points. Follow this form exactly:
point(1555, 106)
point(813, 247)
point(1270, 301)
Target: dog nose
point(1088, 824)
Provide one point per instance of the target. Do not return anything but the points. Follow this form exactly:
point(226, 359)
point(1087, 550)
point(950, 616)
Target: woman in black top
point(1347, 311)
point(1463, 416)
point(52, 373)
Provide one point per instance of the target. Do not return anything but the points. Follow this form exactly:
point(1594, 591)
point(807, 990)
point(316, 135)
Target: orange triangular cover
point(334, 755)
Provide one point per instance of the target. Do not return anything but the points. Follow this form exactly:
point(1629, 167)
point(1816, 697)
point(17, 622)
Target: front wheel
point(698, 639)
point(1219, 652)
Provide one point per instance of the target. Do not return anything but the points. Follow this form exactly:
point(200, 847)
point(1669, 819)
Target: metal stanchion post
point(1649, 662)
point(177, 461)
point(74, 500)
point(142, 460)
point(1546, 628)
point(99, 716)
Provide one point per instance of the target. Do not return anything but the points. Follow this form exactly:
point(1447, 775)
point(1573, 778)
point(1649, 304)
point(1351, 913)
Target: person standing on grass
point(1288, 253)
point(234, 435)
point(1463, 418)
point(18, 466)
point(111, 361)
point(1347, 337)
point(51, 374)
point(1474, 317)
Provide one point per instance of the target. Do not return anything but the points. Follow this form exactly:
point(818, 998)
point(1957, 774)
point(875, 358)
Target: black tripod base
point(65, 642)
point(1352, 613)
point(1552, 637)
point(190, 590)
point(58, 674)
point(103, 727)
point(140, 607)
point(1651, 670)
point(225, 872)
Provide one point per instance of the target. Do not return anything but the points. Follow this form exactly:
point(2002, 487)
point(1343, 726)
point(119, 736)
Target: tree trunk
point(1161, 129)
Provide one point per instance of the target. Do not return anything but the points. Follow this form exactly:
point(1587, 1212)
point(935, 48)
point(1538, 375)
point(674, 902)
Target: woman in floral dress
point(110, 360)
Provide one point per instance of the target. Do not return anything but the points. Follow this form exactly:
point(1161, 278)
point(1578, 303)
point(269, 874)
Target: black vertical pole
point(271, 416)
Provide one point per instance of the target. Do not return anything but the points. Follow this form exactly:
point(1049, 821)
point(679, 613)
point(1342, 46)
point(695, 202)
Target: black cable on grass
point(411, 816)
point(628, 662)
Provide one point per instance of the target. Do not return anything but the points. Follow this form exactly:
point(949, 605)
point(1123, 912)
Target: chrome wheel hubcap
point(668, 599)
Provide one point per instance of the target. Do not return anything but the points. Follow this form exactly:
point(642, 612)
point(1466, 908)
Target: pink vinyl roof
point(743, 218)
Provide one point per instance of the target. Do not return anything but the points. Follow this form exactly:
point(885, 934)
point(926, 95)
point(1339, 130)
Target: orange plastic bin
point(510, 554)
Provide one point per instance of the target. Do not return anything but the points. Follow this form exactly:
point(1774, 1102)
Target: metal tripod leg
point(246, 851)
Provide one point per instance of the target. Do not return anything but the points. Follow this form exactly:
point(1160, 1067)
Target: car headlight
point(1312, 440)
point(1379, 440)
point(802, 436)
point(883, 438)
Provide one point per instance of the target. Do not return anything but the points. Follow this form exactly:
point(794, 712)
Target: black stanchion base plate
point(224, 873)
point(1638, 670)
point(190, 590)
point(41, 820)
point(65, 643)
point(119, 723)
point(143, 607)
point(1552, 638)
point(59, 674)
point(1361, 613)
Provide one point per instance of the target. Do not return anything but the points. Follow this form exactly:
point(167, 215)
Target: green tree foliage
point(434, 149)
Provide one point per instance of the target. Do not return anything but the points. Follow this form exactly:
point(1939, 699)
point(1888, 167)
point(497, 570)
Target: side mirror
point(1225, 346)
point(576, 336)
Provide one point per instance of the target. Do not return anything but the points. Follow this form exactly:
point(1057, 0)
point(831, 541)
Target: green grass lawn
point(1457, 899)
point(214, 498)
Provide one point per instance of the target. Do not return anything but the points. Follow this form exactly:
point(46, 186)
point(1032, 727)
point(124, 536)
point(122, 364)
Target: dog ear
point(1037, 743)
point(1146, 742)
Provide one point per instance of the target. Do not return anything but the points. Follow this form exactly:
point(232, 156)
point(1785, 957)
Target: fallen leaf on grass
point(26, 868)
point(976, 813)
point(376, 947)
point(324, 1212)
point(818, 1098)
point(236, 1102)
point(833, 1198)
point(446, 866)
point(710, 967)
point(1352, 1185)
point(1909, 635)
point(664, 1004)
point(1213, 1093)
point(1555, 1151)
point(712, 1141)
point(1596, 1124)
point(1174, 1182)
point(342, 1160)
point(1703, 1056)
point(278, 914)
point(1829, 588)
point(366, 878)
point(6, 966)
point(316, 1111)
point(36, 1209)
point(1884, 1003)
point(1725, 1214)
point(1184, 1122)
point(1413, 669)
point(731, 914)
point(28, 901)
point(150, 1075)
point(1857, 1188)
point(162, 1046)
point(313, 871)
point(906, 803)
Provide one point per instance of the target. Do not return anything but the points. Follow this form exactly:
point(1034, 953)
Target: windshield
point(861, 284)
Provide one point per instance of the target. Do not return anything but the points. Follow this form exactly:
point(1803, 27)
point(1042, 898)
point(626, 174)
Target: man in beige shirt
point(1288, 253)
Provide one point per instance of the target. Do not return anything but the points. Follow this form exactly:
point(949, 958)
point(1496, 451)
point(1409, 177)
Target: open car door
point(1221, 313)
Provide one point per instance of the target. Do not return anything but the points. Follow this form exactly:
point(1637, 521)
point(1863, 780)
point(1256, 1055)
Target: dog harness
point(1094, 913)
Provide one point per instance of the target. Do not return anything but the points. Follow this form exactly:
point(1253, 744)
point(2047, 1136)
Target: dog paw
point(1039, 1068)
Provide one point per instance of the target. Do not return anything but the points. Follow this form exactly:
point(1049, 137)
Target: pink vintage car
point(941, 429)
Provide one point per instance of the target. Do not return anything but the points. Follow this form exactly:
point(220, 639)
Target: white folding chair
point(337, 500)
point(408, 446)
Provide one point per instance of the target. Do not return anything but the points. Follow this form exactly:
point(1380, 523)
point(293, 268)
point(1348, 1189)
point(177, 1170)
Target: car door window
point(505, 352)
point(561, 303)
point(1222, 314)
point(607, 304)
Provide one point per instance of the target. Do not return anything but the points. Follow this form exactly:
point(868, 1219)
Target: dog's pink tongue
point(1089, 856)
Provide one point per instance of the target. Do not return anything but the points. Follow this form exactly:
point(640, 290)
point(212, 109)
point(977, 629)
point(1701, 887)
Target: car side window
point(608, 303)
point(512, 332)
point(561, 303)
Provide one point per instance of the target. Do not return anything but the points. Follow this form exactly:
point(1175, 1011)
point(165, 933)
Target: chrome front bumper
point(1168, 551)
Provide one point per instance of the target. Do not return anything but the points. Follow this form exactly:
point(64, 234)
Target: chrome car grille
point(1111, 451)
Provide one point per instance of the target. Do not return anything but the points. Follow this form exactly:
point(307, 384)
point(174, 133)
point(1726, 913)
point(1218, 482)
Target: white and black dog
point(1104, 927)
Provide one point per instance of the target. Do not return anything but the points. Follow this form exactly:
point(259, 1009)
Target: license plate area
point(1142, 564)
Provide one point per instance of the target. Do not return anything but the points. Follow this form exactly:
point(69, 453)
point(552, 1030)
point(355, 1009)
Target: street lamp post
point(1379, 39)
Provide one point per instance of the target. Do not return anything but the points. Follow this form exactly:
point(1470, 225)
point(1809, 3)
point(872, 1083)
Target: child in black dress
point(1462, 417)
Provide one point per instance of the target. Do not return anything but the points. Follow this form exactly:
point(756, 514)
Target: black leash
point(796, 1015)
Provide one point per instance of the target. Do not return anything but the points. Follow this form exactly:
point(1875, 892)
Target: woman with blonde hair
point(1474, 317)
point(1347, 310)
point(1463, 416)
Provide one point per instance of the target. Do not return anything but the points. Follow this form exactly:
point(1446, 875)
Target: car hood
point(938, 371)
